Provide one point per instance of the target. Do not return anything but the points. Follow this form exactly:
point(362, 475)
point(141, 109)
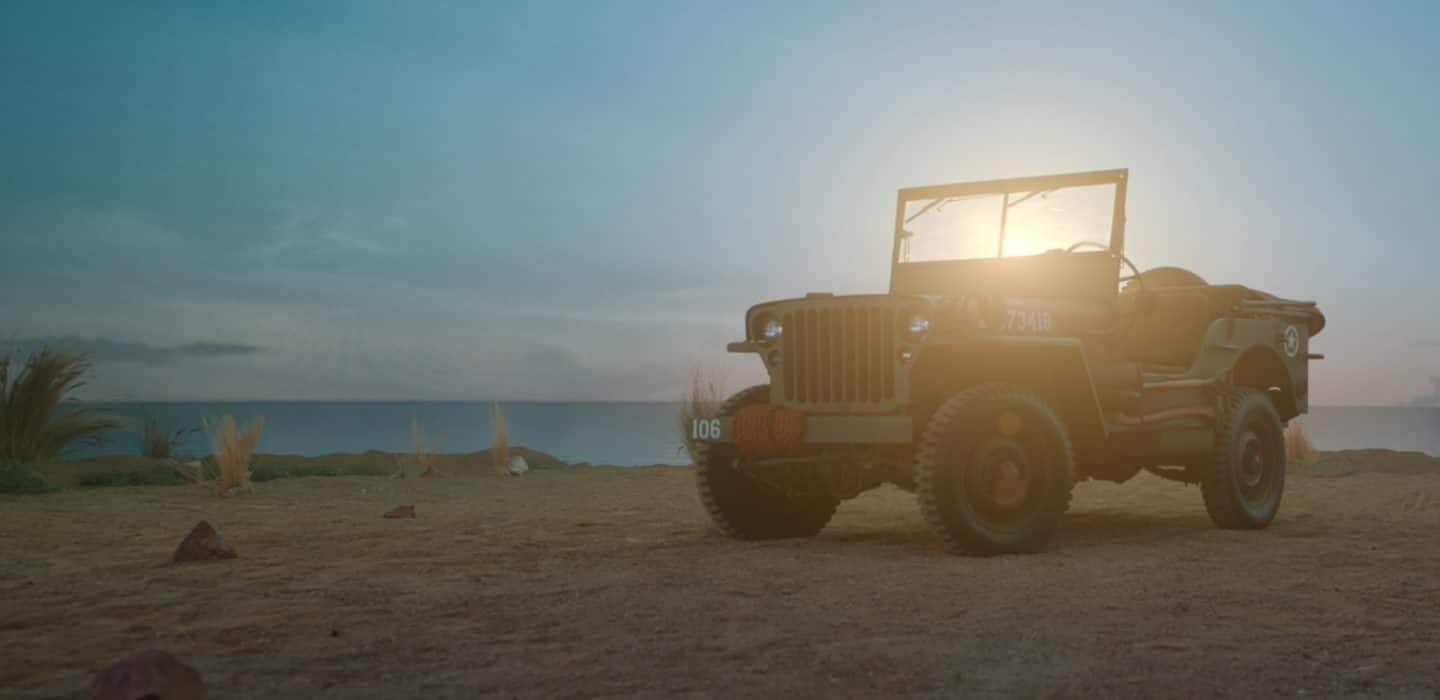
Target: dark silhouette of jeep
point(1017, 351)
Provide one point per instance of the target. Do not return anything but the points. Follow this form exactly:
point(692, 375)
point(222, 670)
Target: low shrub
point(18, 477)
point(159, 440)
point(158, 475)
point(270, 472)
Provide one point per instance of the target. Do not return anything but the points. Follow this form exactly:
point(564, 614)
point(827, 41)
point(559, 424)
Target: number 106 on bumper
point(706, 429)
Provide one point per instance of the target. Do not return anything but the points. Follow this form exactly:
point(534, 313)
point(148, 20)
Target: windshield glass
point(1005, 225)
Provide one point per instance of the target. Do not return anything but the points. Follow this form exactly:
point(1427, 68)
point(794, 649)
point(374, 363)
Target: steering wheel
point(1093, 244)
point(1118, 256)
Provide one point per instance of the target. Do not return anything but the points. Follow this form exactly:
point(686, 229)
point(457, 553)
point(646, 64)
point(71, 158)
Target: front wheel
point(994, 471)
point(1246, 478)
point(745, 507)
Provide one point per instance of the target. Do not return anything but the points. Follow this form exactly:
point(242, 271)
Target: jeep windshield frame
point(1008, 193)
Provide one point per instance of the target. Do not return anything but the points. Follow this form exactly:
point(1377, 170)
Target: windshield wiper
point(1028, 196)
point(946, 200)
point(938, 201)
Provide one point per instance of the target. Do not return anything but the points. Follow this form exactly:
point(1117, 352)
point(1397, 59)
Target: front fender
point(1056, 368)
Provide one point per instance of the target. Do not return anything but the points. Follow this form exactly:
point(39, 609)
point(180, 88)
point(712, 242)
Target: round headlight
point(918, 325)
point(771, 330)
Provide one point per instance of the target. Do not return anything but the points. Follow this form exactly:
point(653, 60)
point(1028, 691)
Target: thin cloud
point(1426, 343)
point(216, 349)
point(108, 350)
point(1430, 398)
point(342, 237)
point(318, 233)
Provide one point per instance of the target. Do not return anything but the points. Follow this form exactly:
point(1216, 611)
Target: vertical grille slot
point(812, 356)
point(852, 348)
point(837, 354)
point(872, 383)
point(822, 367)
point(866, 351)
point(798, 358)
point(788, 353)
point(887, 363)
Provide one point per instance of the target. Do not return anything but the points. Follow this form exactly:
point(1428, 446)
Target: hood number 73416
point(1025, 322)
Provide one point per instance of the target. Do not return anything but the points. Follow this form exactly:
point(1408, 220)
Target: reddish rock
point(148, 674)
point(203, 544)
point(401, 512)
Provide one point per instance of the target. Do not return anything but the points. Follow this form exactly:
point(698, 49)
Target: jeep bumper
point(822, 430)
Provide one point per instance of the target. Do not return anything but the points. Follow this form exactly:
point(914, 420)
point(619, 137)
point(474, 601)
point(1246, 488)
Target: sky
point(578, 200)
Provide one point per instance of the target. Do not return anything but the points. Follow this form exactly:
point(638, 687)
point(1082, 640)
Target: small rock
point(518, 465)
point(401, 512)
point(148, 674)
point(203, 544)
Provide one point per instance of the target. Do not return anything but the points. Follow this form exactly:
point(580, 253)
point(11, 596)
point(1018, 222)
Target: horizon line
point(587, 401)
point(135, 400)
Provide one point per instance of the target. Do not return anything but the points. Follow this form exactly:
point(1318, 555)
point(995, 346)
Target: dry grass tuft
point(1298, 446)
point(703, 399)
point(500, 443)
point(233, 451)
point(425, 459)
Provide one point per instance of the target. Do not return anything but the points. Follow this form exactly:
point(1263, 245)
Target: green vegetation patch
point(270, 472)
point(18, 477)
point(150, 476)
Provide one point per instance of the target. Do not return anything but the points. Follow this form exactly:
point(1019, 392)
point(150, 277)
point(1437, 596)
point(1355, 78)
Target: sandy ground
point(603, 581)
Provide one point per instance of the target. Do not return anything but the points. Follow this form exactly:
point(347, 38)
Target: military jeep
point(1017, 351)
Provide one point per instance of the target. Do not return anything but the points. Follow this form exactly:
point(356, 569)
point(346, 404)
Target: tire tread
point(949, 418)
point(767, 514)
point(1222, 501)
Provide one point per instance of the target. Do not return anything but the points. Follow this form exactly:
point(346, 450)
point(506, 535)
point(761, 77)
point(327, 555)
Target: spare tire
point(1168, 337)
point(1161, 277)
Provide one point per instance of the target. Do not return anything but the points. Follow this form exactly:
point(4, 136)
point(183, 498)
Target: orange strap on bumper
point(765, 430)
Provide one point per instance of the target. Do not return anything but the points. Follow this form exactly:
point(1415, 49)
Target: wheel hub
point(1000, 478)
point(1009, 486)
point(1252, 461)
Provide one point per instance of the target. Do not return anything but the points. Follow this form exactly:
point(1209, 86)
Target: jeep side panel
point(1268, 354)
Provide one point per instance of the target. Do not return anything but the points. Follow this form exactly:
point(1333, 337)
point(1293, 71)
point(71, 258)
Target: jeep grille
point(839, 355)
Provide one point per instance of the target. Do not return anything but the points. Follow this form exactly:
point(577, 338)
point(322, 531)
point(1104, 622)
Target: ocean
point(620, 433)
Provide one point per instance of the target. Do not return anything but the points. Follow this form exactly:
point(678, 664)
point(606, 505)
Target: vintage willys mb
point(1011, 357)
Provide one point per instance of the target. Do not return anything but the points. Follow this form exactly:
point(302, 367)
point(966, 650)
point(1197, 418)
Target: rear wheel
point(748, 508)
point(1246, 478)
point(994, 471)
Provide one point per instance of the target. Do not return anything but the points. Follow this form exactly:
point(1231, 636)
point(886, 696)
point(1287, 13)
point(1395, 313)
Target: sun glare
point(1033, 223)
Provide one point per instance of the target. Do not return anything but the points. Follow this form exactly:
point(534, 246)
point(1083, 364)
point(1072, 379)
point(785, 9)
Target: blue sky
point(578, 200)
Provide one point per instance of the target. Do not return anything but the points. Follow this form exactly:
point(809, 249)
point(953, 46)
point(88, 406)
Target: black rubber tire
point(1246, 479)
point(950, 460)
point(745, 508)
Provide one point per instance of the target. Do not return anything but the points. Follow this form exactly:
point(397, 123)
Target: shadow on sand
point(1076, 531)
